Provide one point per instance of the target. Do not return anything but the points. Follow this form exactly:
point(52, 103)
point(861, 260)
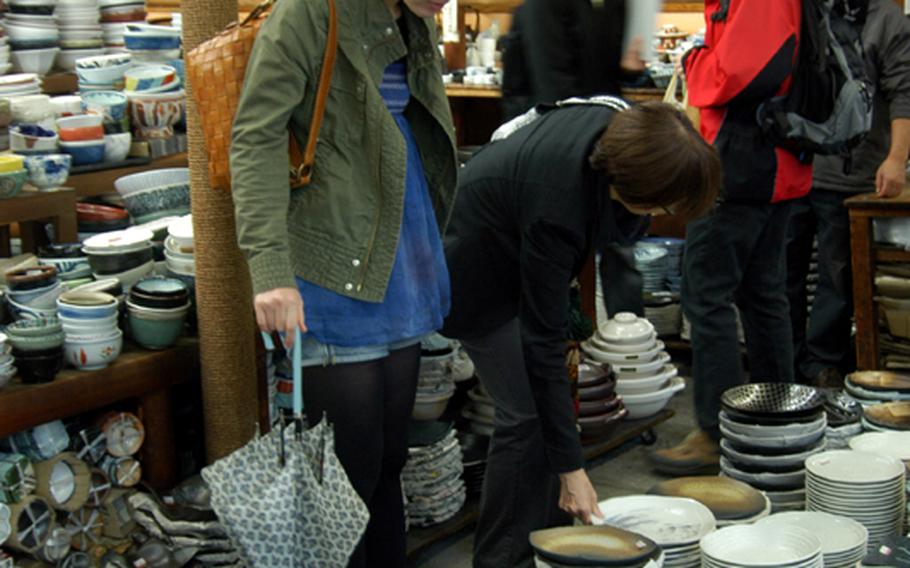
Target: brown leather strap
point(303, 165)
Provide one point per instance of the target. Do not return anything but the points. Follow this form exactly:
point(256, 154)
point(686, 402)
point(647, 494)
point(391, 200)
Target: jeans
point(736, 254)
point(825, 341)
point(520, 494)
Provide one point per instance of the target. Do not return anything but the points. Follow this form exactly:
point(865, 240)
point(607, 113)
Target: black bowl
point(103, 264)
point(20, 354)
point(775, 399)
point(32, 10)
point(39, 369)
point(68, 250)
point(159, 302)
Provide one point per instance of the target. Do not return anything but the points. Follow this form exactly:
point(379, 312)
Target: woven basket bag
point(216, 69)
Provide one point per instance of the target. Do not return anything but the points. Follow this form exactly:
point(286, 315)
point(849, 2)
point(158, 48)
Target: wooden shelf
point(891, 255)
point(478, 92)
point(30, 209)
point(102, 182)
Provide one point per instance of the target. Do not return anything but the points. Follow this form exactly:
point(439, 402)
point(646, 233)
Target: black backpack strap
point(721, 14)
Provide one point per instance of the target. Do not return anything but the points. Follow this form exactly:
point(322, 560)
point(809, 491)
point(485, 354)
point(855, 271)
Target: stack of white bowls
point(868, 488)
point(33, 35)
point(126, 255)
point(179, 250)
point(762, 546)
point(115, 15)
point(843, 540)
point(436, 384)
point(768, 430)
point(19, 84)
point(645, 379)
point(676, 524)
point(93, 338)
point(433, 486)
point(80, 32)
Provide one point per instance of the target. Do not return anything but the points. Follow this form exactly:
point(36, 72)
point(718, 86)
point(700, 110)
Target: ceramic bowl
point(38, 61)
point(118, 262)
point(128, 278)
point(180, 235)
point(156, 114)
point(162, 314)
point(11, 163)
point(49, 170)
point(161, 287)
point(21, 279)
point(25, 35)
point(85, 153)
point(66, 105)
point(93, 354)
point(34, 328)
point(141, 41)
point(151, 179)
point(28, 344)
point(11, 183)
point(36, 289)
point(158, 302)
point(117, 146)
point(61, 250)
point(66, 60)
point(112, 105)
point(102, 75)
point(626, 328)
point(162, 201)
point(598, 427)
point(21, 311)
point(150, 77)
point(103, 61)
point(32, 139)
point(155, 333)
point(117, 242)
point(81, 128)
point(84, 326)
point(93, 212)
point(643, 386)
point(644, 405)
point(45, 299)
point(79, 305)
point(40, 368)
point(38, 9)
point(181, 266)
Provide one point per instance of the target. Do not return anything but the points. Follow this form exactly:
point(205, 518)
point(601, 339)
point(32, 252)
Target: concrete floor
point(623, 472)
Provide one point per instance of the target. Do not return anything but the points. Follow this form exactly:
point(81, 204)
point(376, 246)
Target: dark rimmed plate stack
point(875, 387)
point(600, 409)
point(769, 429)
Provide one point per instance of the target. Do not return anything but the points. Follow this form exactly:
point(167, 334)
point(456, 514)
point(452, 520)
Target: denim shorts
point(315, 353)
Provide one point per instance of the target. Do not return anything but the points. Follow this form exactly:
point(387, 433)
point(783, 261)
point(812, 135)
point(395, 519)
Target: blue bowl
point(49, 170)
point(143, 42)
point(84, 154)
point(86, 312)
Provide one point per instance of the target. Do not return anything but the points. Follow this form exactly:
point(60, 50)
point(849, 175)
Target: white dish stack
point(432, 481)
point(868, 488)
point(892, 444)
point(80, 31)
point(843, 540)
point(645, 378)
point(676, 524)
point(755, 546)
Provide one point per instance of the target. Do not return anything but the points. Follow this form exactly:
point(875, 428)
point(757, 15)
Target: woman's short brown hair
point(656, 158)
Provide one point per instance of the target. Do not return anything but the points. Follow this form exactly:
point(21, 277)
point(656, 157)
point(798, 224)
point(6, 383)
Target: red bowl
point(93, 212)
point(82, 134)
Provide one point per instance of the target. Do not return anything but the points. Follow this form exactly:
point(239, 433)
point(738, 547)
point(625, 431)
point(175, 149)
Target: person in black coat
point(531, 209)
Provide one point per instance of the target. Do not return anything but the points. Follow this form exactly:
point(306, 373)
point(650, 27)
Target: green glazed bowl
point(40, 343)
point(155, 334)
point(39, 327)
point(11, 183)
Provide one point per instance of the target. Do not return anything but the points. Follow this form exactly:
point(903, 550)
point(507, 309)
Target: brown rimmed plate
point(593, 546)
point(727, 498)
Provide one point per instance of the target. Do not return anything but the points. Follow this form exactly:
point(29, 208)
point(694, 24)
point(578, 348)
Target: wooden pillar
point(223, 289)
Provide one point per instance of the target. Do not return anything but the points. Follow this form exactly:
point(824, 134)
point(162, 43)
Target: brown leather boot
point(696, 454)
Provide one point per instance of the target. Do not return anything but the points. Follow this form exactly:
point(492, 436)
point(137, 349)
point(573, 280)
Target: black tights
point(370, 406)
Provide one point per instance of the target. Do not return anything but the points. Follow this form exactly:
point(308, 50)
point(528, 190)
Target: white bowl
point(181, 231)
point(614, 358)
point(101, 75)
point(644, 405)
point(893, 444)
point(129, 278)
point(625, 328)
point(151, 179)
point(757, 546)
point(38, 61)
point(102, 61)
point(80, 121)
point(118, 242)
point(117, 146)
point(179, 265)
point(642, 370)
point(93, 354)
point(671, 522)
point(18, 32)
point(840, 466)
point(644, 386)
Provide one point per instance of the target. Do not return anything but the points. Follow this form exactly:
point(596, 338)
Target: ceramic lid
point(117, 240)
point(182, 228)
point(626, 327)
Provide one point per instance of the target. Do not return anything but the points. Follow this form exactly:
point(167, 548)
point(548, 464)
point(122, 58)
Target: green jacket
point(341, 231)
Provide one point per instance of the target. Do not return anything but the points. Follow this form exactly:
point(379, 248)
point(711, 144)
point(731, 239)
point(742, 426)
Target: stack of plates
point(843, 540)
point(645, 379)
point(731, 502)
point(474, 456)
point(80, 33)
point(19, 85)
point(33, 35)
point(891, 444)
point(762, 546)
point(867, 488)
point(599, 408)
point(432, 482)
point(674, 248)
point(887, 417)
point(651, 261)
point(844, 418)
point(873, 387)
point(595, 546)
point(675, 523)
point(769, 429)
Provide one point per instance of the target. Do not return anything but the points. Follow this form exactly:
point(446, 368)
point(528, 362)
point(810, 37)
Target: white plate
point(838, 535)
point(668, 521)
point(788, 479)
point(786, 460)
point(769, 431)
point(892, 444)
point(848, 466)
point(776, 442)
point(761, 546)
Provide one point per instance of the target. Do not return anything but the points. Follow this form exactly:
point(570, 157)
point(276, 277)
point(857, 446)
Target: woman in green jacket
point(354, 260)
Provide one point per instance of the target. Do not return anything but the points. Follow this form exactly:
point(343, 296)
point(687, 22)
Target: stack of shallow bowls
point(157, 309)
point(179, 250)
point(92, 219)
point(7, 362)
point(33, 291)
point(432, 482)
point(887, 417)
point(115, 15)
point(674, 248)
point(102, 72)
point(868, 488)
point(844, 418)
point(651, 261)
point(598, 545)
point(874, 387)
point(33, 35)
point(644, 376)
point(156, 193)
point(80, 32)
point(676, 524)
point(19, 84)
point(600, 409)
point(93, 338)
point(37, 347)
point(843, 540)
point(125, 255)
point(762, 546)
point(732, 502)
point(436, 384)
point(769, 429)
point(82, 137)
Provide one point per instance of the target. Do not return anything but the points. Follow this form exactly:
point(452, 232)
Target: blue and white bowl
point(145, 42)
point(84, 153)
point(112, 105)
point(87, 305)
point(48, 171)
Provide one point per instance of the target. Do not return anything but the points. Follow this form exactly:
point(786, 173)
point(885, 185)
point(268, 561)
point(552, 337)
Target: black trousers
point(370, 406)
point(736, 254)
point(821, 337)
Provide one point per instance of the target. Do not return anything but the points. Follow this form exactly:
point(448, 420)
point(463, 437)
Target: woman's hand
point(577, 496)
point(280, 310)
point(891, 178)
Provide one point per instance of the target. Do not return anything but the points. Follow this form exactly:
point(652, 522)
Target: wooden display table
point(863, 209)
point(137, 374)
point(31, 209)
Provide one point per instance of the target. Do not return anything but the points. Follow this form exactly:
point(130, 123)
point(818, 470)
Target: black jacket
point(528, 214)
point(557, 49)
